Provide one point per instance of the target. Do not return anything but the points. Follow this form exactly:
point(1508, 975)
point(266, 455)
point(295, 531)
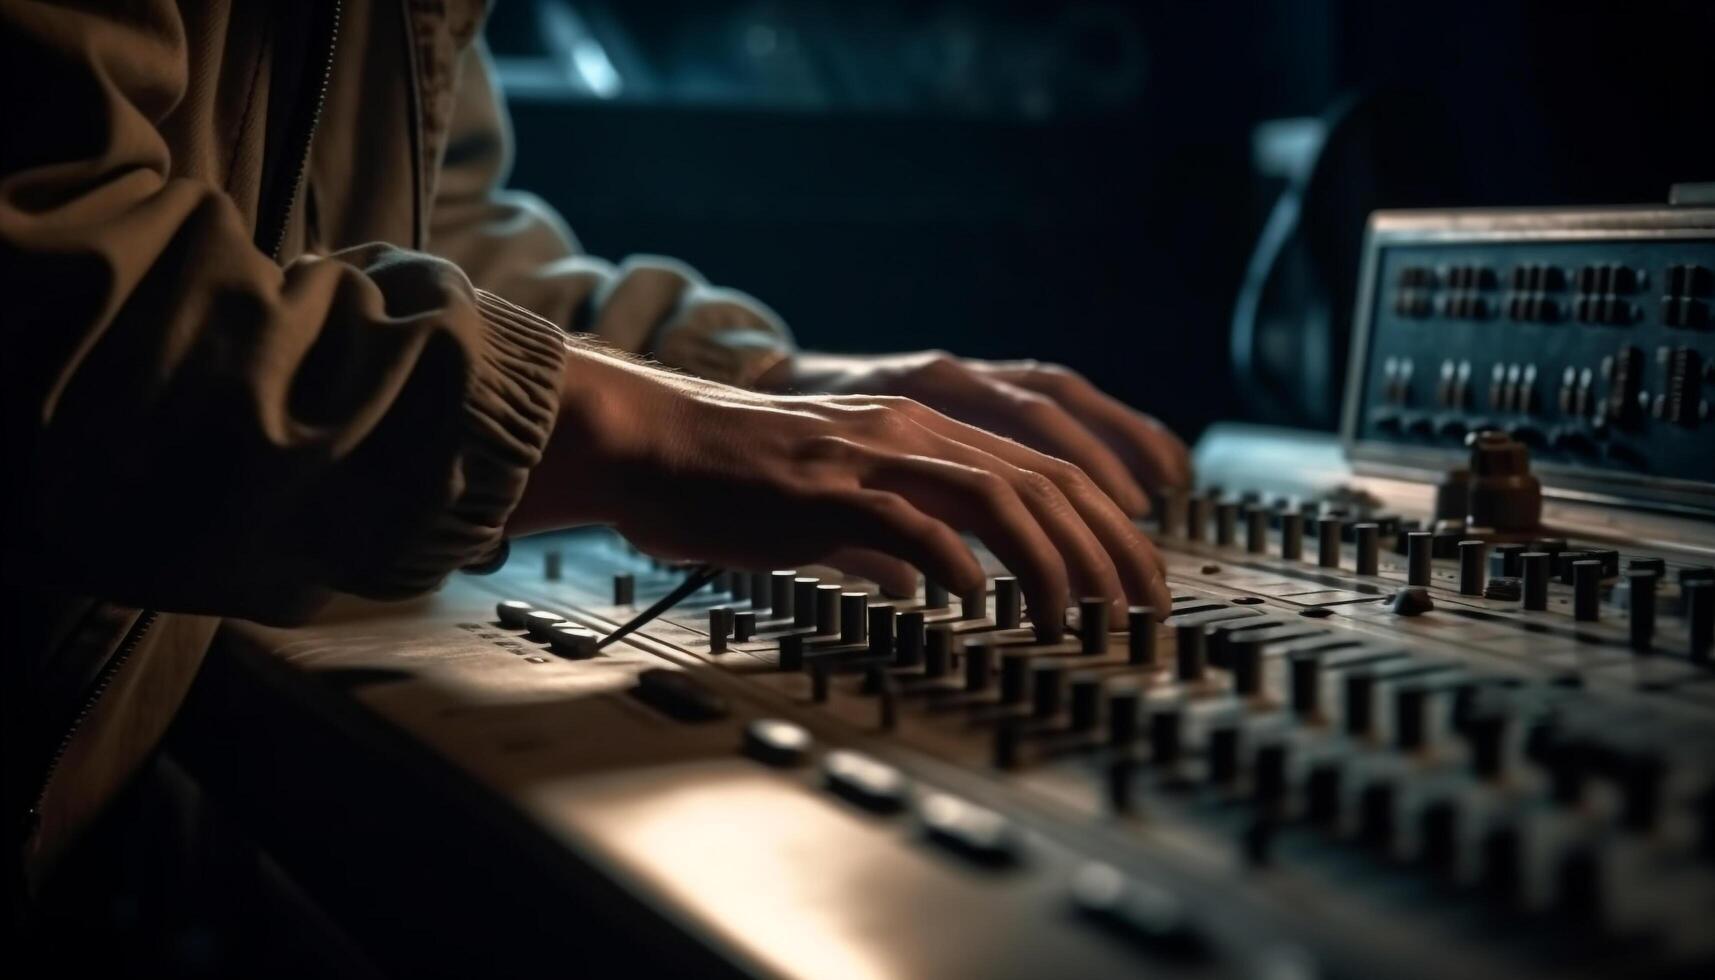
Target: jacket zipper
point(307, 131)
point(145, 620)
point(103, 679)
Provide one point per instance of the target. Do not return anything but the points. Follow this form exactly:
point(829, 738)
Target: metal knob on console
point(1192, 656)
point(1586, 599)
point(1197, 517)
point(1140, 638)
point(804, 601)
point(883, 618)
point(1419, 547)
point(1699, 595)
point(780, 592)
point(1226, 522)
point(1536, 566)
point(1367, 537)
point(760, 595)
point(1291, 535)
point(1643, 584)
point(1006, 602)
point(1093, 624)
point(908, 645)
point(1328, 531)
point(1472, 559)
point(854, 612)
point(979, 666)
point(1256, 530)
point(828, 609)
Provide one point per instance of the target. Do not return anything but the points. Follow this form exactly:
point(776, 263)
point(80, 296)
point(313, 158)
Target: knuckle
point(1041, 486)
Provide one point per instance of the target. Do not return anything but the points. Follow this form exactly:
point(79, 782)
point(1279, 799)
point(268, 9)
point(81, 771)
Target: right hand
point(876, 486)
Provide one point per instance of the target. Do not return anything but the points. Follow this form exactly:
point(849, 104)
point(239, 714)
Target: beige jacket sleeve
point(514, 244)
point(195, 428)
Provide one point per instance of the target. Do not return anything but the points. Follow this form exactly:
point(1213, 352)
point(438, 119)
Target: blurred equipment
point(1434, 700)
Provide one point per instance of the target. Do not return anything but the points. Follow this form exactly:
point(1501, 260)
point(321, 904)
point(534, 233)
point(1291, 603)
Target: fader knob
point(1226, 522)
point(1368, 539)
point(1140, 638)
point(759, 591)
point(937, 650)
point(1306, 683)
point(624, 589)
point(1699, 597)
point(1471, 568)
point(979, 667)
point(1256, 530)
point(883, 618)
point(1192, 644)
point(1244, 661)
point(1411, 704)
point(1586, 601)
point(1006, 602)
point(720, 624)
point(1419, 547)
point(1086, 700)
point(1166, 731)
point(1642, 585)
point(1014, 676)
point(1197, 518)
point(1047, 687)
point(743, 625)
point(804, 601)
point(854, 613)
point(780, 593)
point(974, 606)
point(1536, 567)
point(1123, 701)
point(908, 645)
point(828, 609)
point(1093, 625)
point(1328, 531)
point(1291, 535)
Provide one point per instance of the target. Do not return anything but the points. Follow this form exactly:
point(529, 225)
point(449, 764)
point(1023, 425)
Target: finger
point(1157, 455)
point(984, 503)
point(896, 577)
point(1134, 557)
point(1038, 421)
point(1091, 570)
point(889, 523)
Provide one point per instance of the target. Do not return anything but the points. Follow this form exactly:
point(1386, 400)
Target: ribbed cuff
point(510, 409)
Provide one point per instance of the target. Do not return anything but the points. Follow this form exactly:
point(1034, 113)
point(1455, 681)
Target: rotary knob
point(1503, 495)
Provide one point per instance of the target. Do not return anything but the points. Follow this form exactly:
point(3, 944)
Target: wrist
point(609, 416)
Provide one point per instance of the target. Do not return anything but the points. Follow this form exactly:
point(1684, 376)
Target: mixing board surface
point(1423, 719)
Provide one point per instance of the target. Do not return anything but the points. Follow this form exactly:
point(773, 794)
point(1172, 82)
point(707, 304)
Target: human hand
point(1045, 406)
point(878, 486)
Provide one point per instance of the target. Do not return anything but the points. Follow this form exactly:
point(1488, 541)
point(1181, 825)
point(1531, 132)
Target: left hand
point(1045, 406)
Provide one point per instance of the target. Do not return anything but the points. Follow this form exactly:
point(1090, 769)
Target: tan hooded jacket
point(222, 397)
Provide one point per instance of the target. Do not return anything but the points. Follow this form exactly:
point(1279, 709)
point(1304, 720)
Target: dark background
point(1086, 181)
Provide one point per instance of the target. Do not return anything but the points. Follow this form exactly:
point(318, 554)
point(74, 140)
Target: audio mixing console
point(1434, 700)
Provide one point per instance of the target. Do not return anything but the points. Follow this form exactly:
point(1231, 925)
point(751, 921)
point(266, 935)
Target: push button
point(776, 742)
point(871, 784)
point(974, 832)
point(1142, 912)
